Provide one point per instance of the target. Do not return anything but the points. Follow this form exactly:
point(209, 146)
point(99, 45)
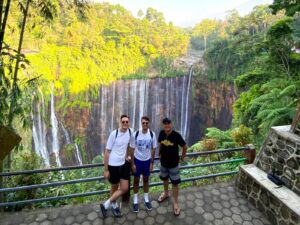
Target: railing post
point(250, 153)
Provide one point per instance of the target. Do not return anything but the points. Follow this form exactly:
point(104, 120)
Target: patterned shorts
point(172, 173)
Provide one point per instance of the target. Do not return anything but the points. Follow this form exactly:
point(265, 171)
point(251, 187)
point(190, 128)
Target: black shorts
point(116, 173)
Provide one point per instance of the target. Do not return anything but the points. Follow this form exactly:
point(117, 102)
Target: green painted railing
point(99, 178)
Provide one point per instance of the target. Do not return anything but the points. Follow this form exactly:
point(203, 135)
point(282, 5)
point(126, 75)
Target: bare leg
point(136, 183)
point(146, 184)
point(114, 188)
point(166, 187)
point(123, 189)
point(175, 190)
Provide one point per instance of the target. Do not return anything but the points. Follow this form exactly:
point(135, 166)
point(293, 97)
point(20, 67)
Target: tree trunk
point(15, 79)
point(3, 24)
point(205, 38)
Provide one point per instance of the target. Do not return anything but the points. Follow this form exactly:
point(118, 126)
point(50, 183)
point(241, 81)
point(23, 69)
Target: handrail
point(107, 191)
point(101, 164)
point(98, 178)
point(60, 183)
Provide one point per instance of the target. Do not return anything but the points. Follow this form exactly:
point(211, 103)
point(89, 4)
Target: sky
point(186, 13)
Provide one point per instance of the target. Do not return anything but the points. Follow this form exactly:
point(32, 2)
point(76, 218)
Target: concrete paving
point(215, 204)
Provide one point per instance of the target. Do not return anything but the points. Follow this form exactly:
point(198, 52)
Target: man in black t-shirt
point(169, 141)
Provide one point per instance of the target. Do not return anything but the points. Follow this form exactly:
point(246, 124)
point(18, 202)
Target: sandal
point(162, 197)
point(177, 211)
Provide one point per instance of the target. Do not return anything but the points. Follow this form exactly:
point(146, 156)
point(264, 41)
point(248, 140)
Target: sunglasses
point(145, 123)
point(125, 121)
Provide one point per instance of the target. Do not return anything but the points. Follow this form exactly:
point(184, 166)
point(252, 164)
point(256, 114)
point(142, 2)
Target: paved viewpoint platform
point(214, 204)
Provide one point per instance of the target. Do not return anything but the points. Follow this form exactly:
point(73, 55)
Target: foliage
point(223, 138)
point(197, 147)
point(273, 103)
point(204, 29)
point(71, 53)
point(260, 52)
point(242, 135)
point(209, 144)
point(25, 160)
point(239, 47)
point(291, 7)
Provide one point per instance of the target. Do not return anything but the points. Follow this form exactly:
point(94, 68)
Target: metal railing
point(99, 178)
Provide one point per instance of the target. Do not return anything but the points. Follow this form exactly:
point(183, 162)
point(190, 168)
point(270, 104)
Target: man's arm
point(152, 158)
point(105, 161)
point(183, 153)
point(159, 150)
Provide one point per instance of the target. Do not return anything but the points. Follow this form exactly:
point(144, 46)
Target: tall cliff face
point(212, 107)
point(192, 104)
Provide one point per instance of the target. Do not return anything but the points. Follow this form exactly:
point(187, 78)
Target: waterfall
point(54, 129)
point(146, 97)
point(39, 131)
point(78, 155)
point(68, 141)
point(67, 136)
point(187, 104)
point(141, 102)
point(182, 106)
point(133, 97)
point(156, 98)
point(103, 108)
point(113, 106)
point(167, 104)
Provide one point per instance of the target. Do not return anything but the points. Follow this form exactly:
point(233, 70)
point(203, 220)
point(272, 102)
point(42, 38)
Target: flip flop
point(177, 212)
point(162, 197)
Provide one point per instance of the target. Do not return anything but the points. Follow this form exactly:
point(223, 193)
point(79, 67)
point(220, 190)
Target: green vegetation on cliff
point(101, 44)
point(260, 52)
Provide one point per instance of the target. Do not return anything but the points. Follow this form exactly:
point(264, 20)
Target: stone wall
point(277, 212)
point(281, 151)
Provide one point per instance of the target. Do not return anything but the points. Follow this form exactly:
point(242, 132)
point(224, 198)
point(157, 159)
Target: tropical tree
point(290, 7)
point(280, 43)
point(204, 29)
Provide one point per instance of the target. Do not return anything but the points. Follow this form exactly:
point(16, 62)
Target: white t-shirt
point(118, 146)
point(143, 145)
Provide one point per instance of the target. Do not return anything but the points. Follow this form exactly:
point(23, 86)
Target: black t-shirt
point(169, 150)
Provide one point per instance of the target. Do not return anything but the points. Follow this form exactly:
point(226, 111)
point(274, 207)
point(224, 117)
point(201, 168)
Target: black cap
point(166, 120)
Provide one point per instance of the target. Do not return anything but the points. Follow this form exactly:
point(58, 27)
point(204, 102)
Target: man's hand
point(128, 159)
point(181, 160)
point(106, 174)
point(151, 166)
point(133, 168)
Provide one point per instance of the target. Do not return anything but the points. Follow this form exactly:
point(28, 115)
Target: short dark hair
point(166, 120)
point(124, 116)
point(145, 118)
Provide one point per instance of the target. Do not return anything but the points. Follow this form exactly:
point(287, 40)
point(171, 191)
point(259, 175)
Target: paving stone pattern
point(216, 204)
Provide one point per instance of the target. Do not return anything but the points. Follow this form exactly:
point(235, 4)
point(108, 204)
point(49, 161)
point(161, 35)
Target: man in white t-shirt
point(144, 145)
point(116, 165)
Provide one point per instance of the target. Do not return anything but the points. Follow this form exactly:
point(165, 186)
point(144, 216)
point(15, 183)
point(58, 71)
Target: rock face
point(192, 104)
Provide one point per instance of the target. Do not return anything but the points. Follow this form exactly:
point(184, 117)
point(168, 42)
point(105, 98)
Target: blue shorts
point(142, 167)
